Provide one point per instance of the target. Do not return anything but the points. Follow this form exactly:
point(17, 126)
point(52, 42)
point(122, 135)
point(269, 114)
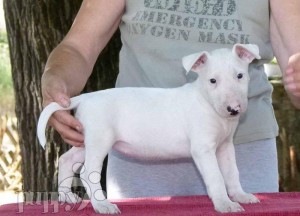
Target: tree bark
point(34, 28)
point(288, 118)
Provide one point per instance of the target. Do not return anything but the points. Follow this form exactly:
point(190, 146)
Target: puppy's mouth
point(228, 115)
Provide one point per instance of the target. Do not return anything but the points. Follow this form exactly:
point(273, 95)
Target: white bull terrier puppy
point(196, 120)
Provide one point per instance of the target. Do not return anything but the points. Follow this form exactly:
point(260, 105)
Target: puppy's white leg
point(206, 161)
point(68, 163)
point(97, 147)
point(227, 164)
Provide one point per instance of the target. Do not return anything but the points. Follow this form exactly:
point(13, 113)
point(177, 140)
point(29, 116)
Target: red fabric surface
point(271, 204)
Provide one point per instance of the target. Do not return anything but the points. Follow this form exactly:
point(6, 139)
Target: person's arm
point(71, 62)
point(285, 34)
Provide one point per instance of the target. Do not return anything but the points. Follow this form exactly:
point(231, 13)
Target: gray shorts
point(128, 178)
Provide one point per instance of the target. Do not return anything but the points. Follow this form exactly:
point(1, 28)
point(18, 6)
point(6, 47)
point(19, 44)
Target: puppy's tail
point(46, 114)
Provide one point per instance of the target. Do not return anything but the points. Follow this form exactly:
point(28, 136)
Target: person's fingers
point(68, 134)
point(292, 82)
point(65, 118)
point(73, 143)
point(55, 90)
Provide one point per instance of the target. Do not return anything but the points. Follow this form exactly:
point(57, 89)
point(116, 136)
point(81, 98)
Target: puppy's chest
point(226, 130)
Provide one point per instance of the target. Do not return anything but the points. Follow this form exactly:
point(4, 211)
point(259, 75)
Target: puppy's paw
point(105, 207)
point(67, 196)
point(244, 198)
point(228, 206)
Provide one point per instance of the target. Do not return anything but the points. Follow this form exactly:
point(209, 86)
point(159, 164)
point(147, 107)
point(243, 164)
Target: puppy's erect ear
point(246, 52)
point(194, 61)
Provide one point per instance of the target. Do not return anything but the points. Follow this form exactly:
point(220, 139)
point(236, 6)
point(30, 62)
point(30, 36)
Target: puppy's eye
point(240, 76)
point(213, 81)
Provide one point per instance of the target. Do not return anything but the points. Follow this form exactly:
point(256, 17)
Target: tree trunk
point(34, 28)
point(288, 141)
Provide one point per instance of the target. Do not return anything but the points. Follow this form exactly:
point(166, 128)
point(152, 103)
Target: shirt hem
point(254, 136)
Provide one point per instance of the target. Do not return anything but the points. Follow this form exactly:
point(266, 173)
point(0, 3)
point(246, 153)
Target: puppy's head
point(223, 77)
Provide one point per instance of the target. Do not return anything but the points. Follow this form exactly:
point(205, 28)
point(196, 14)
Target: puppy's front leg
point(228, 166)
point(205, 159)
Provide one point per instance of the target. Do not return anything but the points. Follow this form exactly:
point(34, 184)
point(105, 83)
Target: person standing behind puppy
point(155, 36)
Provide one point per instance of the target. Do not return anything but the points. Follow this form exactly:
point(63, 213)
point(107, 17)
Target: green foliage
point(274, 61)
point(3, 38)
point(6, 86)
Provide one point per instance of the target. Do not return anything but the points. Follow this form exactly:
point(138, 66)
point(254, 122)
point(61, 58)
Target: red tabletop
point(271, 204)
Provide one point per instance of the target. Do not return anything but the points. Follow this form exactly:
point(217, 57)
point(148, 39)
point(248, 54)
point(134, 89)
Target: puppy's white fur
point(196, 120)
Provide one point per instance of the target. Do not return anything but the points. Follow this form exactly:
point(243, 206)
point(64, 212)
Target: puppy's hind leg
point(97, 146)
point(68, 164)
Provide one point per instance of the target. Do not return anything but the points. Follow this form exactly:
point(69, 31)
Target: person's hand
point(292, 79)
point(70, 129)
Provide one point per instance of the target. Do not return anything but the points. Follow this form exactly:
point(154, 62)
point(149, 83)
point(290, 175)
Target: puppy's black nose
point(233, 111)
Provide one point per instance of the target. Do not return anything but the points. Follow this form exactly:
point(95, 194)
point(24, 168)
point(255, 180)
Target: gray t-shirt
point(156, 34)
